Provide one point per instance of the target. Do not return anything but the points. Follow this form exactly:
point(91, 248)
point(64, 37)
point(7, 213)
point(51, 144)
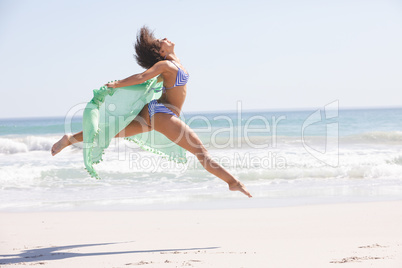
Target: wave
point(375, 137)
point(38, 180)
point(22, 144)
point(25, 144)
point(148, 174)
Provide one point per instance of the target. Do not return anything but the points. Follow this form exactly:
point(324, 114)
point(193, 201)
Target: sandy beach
point(333, 235)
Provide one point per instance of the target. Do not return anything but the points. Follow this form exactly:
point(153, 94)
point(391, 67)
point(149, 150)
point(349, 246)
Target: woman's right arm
point(136, 79)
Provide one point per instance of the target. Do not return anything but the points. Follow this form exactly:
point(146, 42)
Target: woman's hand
point(112, 84)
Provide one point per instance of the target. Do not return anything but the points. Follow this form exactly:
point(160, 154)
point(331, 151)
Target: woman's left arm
point(136, 79)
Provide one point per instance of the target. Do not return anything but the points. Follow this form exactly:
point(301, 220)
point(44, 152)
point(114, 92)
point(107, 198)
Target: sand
point(331, 235)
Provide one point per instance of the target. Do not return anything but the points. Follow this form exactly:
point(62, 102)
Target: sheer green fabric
point(110, 111)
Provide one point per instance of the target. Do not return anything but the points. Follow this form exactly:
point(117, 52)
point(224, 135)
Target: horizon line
point(299, 109)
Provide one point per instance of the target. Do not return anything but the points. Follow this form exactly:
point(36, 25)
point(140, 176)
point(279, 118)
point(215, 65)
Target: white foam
point(10, 146)
point(13, 145)
point(32, 177)
point(375, 137)
point(37, 143)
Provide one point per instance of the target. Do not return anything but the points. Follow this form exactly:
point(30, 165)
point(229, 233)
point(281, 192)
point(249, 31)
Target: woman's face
point(165, 44)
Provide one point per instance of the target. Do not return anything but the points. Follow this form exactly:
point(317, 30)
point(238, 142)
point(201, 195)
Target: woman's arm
point(136, 79)
point(160, 79)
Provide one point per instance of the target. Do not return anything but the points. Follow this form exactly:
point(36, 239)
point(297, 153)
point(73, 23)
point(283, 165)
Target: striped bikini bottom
point(155, 107)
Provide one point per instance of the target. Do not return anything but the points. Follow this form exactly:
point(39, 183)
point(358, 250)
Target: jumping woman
point(159, 58)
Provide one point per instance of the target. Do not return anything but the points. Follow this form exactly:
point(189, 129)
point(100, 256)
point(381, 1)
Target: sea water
point(283, 157)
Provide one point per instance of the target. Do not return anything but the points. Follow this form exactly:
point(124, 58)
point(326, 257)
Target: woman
point(159, 58)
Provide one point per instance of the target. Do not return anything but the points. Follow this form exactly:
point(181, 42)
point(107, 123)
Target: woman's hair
point(147, 48)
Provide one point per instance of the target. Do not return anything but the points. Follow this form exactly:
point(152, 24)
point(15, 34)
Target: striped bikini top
point(181, 78)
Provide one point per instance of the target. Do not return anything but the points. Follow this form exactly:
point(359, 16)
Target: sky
point(260, 55)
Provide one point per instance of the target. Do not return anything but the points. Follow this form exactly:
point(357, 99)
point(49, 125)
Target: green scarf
point(110, 111)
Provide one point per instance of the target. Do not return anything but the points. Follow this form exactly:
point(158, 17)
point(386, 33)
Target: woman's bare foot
point(238, 186)
point(61, 144)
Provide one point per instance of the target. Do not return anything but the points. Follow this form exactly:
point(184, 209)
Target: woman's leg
point(180, 133)
point(65, 141)
point(139, 125)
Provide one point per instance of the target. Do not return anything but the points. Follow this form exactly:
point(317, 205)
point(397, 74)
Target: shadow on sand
point(51, 253)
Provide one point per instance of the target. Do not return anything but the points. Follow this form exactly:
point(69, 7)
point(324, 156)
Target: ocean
point(285, 158)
